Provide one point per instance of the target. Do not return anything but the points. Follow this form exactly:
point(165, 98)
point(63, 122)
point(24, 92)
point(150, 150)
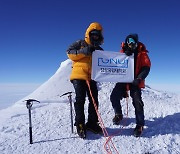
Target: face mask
point(95, 38)
point(132, 46)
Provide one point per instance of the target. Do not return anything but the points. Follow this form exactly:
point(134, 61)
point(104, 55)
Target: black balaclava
point(96, 42)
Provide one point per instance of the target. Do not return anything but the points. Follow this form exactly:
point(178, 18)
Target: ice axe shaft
point(29, 104)
point(30, 126)
point(71, 109)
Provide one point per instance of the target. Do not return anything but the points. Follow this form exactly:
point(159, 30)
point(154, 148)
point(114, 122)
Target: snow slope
point(52, 127)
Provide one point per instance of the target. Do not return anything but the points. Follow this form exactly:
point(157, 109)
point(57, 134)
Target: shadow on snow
point(159, 126)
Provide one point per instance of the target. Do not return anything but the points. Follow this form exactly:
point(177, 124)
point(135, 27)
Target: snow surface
point(52, 126)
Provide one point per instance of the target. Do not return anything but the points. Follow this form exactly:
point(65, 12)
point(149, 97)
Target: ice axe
point(29, 104)
point(70, 101)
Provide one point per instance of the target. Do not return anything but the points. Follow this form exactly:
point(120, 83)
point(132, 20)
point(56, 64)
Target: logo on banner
point(111, 62)
point(113, 65)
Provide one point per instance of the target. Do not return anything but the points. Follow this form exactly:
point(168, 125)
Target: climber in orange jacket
point(80, 52)
point(142, 66)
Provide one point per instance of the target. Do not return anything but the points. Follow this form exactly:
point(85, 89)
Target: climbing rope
point(105, 133)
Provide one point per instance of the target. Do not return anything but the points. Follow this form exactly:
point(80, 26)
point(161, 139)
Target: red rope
point(106, 135)
point(110, 137)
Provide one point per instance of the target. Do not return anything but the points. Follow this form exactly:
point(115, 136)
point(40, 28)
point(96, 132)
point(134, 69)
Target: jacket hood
point(134, 36)
point(93, 26)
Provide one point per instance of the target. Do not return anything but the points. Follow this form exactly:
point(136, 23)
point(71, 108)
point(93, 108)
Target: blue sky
point(34, 34)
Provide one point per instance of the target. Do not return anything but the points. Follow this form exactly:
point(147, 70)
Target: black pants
point(119, 92)
point(81, 89)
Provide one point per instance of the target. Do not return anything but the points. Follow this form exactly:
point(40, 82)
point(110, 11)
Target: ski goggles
point(131, 41)
point(95, 32)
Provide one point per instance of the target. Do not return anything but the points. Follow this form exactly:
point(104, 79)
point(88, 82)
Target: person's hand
point(136, 81)
point(128, 52)
point(91, 48)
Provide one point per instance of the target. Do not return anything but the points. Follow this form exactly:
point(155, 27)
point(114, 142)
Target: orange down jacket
point(142, 60)
point(81, 63)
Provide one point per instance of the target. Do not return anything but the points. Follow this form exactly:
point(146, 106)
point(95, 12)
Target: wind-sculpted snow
point(52, 126)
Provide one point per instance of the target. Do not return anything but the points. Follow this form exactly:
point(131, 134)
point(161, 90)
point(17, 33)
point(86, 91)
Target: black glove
point(86, 50)
point(91, 48)
point(136, 81)
point(128, 52)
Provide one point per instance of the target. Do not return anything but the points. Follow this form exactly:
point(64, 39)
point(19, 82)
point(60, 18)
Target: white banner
point(112, 67)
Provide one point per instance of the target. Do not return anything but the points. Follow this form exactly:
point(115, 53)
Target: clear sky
point(34, 34)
